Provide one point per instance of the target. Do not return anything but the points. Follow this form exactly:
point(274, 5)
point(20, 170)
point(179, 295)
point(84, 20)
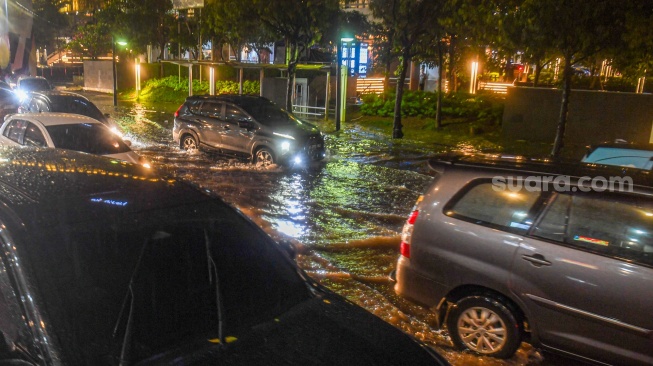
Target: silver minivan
point(511, 250)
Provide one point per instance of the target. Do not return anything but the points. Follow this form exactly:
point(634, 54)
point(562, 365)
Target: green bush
point(423, 104)
point(171, 89)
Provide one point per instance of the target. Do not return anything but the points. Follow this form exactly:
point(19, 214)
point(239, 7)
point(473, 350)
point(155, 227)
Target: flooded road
point(345, 213)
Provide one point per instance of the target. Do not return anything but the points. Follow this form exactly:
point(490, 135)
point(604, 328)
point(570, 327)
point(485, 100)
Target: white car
point(66, 131)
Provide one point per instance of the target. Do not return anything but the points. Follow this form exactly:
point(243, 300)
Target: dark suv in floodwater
point(249, 126)
point(512, 250)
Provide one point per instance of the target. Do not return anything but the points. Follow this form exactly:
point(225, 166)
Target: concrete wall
point(531, 114)
point(98, 76)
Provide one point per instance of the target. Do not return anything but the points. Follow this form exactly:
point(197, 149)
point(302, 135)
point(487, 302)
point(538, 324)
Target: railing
point(369, 85)
point(497, 88)
point(307, 110)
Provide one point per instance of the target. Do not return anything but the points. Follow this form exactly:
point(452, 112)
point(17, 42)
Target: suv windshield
point(183, 263)
point(266, 112)
point(92, 138)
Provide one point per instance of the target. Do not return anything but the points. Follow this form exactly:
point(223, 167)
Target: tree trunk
point(452, 64)
point(564, 109)
point(397, 132)
point(438, 105)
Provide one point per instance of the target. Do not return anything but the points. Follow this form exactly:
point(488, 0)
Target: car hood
point(299, 131)
point(322, 331)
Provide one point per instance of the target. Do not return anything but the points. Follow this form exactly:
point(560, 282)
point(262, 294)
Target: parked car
point(248, 126)
point(624, 154)
point(511, 250)
point(107, 264)
point(66, 131)
point(26, 84)
point(65, 102)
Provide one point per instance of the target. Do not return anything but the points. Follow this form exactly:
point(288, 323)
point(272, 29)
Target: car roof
point(55, 118)
point(226, 97)
point(539, 166)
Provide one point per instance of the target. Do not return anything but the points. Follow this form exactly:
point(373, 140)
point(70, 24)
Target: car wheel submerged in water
point(264, 157)
point(188, 143)
point(485, 326)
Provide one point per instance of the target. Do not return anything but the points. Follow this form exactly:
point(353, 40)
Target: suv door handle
point(536, 259)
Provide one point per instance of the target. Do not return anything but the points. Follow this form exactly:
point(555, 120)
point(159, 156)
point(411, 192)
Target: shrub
point(171, 89)
point(422, 104)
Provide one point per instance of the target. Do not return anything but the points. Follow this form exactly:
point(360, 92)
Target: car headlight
point(285, 146)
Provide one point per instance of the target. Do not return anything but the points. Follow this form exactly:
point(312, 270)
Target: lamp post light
point(115, 71)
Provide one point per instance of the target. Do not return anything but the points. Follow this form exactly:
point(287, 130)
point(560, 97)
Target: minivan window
point(615, 225)
point(486, 205)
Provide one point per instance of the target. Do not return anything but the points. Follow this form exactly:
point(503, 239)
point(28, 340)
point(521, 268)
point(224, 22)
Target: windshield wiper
point(126, 340)
point(213, 272)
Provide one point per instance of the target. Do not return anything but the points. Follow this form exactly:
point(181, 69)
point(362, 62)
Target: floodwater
point(344, 214)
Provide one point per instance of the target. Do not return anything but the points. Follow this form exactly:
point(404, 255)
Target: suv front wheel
point(486, 326)
point(264, 157)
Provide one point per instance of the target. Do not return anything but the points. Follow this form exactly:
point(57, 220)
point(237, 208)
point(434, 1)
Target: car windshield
point(68, 104)
point(92, 138)
point(188, 266)
point(34, 84)
point(267, 113)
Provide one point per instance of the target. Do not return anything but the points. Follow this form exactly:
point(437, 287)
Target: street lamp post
point(339, 83)
point(113, 65)
point(115, 71)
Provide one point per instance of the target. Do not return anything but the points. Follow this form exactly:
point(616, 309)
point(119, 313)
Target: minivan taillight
point(407, 234)
point(404, 248)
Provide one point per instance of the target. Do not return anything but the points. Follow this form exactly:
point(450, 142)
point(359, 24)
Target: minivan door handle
point(536, 259)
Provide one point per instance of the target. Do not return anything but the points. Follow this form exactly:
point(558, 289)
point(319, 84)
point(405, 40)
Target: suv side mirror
point(249, 125)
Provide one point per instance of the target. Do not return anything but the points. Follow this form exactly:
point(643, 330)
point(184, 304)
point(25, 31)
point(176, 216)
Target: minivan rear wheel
point(263, 157)
point(486, 326)
point(188, 143)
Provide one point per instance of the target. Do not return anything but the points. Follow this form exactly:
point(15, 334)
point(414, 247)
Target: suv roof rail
point(538, 166)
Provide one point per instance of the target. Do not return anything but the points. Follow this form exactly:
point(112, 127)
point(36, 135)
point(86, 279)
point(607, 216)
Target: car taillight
point(413, 217)
point(404, 248)
point(407, 234)
point(178, 109)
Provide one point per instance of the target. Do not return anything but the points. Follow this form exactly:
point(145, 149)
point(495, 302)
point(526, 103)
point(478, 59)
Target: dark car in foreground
point(512, 250)
point(249, 126)
point(106, 263)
